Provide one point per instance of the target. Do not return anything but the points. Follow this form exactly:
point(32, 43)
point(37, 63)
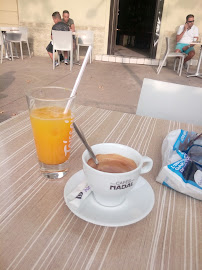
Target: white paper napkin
point(79, 194)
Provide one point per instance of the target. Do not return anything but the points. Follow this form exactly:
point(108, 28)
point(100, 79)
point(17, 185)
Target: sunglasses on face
point(190, 21)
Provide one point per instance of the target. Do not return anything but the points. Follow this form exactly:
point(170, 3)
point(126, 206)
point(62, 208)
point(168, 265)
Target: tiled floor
point(113, 84)
point(127, 59)
point(132, 56)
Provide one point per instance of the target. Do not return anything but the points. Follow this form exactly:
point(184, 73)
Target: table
point(4, 30)
point(38, 231)
point(197, 73)
point(5, 45)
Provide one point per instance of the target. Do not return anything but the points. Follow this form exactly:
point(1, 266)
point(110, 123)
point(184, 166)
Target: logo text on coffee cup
point(121, 184)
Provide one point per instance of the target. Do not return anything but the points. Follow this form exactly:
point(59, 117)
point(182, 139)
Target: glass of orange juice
point(52, 128)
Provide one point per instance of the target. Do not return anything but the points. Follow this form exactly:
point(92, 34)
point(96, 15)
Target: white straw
point(78, 78)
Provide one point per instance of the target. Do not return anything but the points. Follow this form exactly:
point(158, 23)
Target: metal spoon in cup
point(83, 139)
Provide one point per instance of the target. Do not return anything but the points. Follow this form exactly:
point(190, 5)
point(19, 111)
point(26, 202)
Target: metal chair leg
point(58, 58)
point(53, 58)
point(179, 65)
point(182, 62)
point(21, 50)
point(78, 52)
point(188, 65)
point(1, 53)
point(161, 65)
point(11, 49)
point(90, 58)
point(175, 63)
point(28, 49)
point(71, 60)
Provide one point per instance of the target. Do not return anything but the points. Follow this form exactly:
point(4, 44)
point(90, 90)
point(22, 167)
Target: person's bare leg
point(66, 58)
point(65, 55)
point(74, 44)
point(51, 55)
point(189, 56)
point(178, 51)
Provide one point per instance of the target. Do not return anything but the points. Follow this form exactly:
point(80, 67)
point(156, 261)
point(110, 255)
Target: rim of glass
point(30, 91)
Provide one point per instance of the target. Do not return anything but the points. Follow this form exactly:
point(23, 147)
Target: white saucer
point(137, 205)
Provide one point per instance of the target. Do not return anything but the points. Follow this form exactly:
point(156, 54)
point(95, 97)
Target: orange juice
point(52, 134)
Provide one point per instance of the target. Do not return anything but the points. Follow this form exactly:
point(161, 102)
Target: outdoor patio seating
point(13, 38)
point(85, 38)
point(167, 54)
point(12, 35)
point(170, 101)
point(62, 40)
point(4, 43)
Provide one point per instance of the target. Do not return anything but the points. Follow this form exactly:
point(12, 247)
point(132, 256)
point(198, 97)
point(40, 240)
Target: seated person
point(66, 19)
point(185, 36)
point(59, 26)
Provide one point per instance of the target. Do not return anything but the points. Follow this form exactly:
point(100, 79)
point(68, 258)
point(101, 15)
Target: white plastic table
point(197, 73)
point(3, 30)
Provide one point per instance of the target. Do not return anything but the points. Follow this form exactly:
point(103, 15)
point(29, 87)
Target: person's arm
point(51, 32)
point(179, 36)
point(72, 27)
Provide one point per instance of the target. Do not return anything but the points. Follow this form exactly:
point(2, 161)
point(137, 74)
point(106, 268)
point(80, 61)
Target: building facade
point(99, 16)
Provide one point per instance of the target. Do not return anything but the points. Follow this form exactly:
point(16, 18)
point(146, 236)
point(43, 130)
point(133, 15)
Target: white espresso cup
point(110, 189)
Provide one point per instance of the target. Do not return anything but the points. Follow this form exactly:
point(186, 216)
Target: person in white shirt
point(186, 34)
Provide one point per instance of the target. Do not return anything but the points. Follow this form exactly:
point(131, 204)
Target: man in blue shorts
point(186, 34)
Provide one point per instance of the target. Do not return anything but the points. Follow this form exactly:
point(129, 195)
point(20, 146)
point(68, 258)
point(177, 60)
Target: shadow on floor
point(6, 79)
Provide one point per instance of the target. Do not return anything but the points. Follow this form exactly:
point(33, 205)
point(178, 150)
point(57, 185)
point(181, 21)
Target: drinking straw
point(78, 78)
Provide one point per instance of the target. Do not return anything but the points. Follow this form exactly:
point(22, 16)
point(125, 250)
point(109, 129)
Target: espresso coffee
point(112, 163)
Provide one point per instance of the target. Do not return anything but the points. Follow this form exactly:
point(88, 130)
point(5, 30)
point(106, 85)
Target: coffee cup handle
point(147, 165)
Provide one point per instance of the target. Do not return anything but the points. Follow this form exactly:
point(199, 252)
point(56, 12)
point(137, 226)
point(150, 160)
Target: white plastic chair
point(167, 54)
point(85, 38)
point(14, 29)
point(24, 37)
point(176, 60)
point(12, 38)
point(62, 41)
point(170, 101)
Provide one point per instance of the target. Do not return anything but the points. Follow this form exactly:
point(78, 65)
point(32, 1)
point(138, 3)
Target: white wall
point(91, 14)
point(8, 13)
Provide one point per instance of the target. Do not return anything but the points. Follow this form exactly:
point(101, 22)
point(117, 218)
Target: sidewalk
point(105, 85)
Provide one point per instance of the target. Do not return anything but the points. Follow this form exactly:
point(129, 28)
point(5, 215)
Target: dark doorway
point(138, 26)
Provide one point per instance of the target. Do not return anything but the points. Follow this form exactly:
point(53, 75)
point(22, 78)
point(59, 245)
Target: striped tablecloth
point(38, 231)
